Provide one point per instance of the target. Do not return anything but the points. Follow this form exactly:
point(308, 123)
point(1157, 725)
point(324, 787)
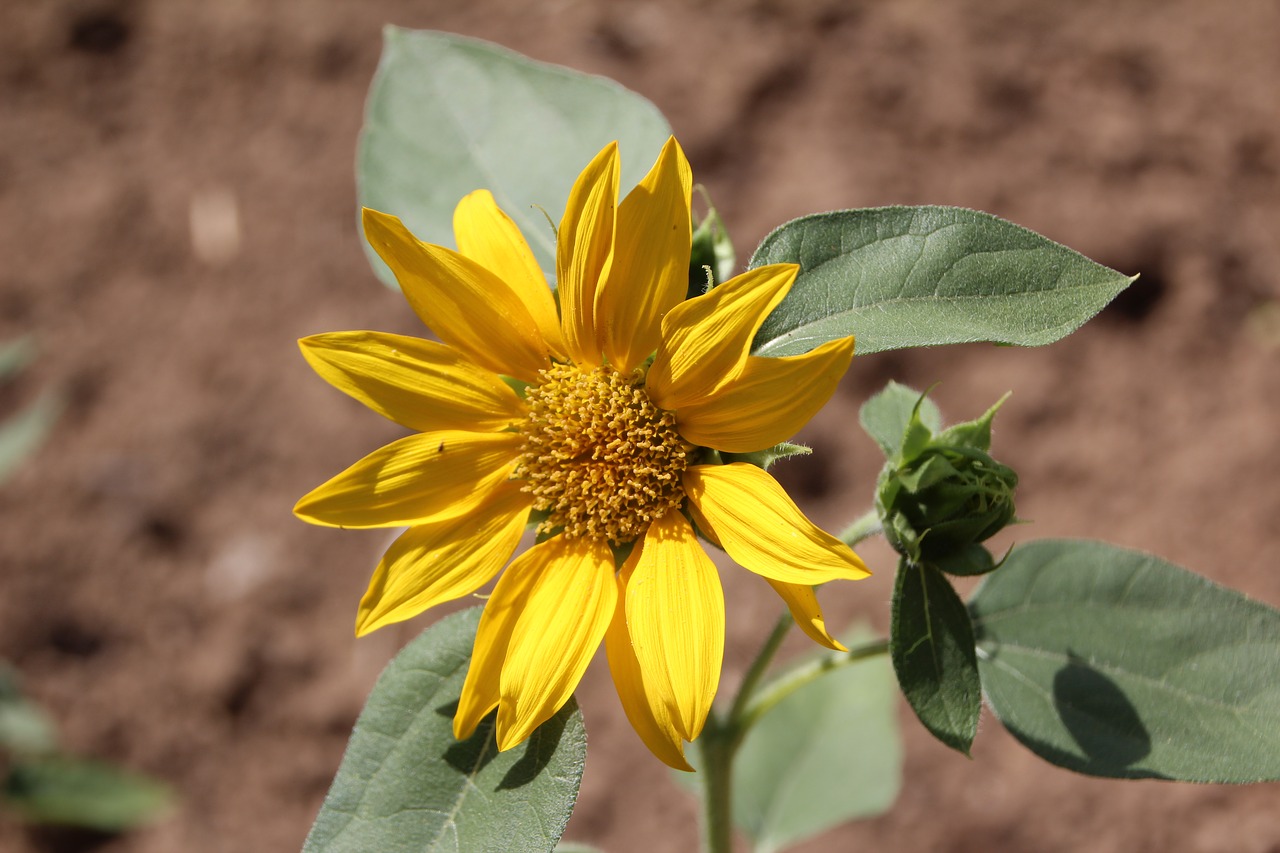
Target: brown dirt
point(172, 616)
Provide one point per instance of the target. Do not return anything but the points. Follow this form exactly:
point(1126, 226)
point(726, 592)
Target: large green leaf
point(405, 784)
point(919, 276)
point(828, 753)
point(932, 647)
point(1116, 663)
point(89, 794)
point(447, 115)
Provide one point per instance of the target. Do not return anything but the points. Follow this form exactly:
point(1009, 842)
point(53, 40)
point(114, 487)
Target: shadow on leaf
point(470, 756)
point(1099, 717)
point(538, 750)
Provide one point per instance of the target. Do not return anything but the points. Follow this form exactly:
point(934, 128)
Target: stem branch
point(802, 675)
point(758, 667)
point(863, 527)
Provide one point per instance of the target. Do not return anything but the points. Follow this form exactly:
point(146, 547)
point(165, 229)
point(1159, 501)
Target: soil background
point(165, 607)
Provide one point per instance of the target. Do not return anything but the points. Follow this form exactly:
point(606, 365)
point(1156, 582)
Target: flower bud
point(943, 494)
point(712, 258)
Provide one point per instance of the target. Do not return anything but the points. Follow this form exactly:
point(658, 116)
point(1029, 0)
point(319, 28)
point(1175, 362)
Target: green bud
point(711, 250)
point(943, 494)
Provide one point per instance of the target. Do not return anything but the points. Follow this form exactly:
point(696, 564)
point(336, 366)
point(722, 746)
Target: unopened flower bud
point(944, 494)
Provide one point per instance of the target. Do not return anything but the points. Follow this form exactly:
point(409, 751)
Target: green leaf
point(1116, 663)
point(971, 560)
point(828, 753)
point(974, 434)
point(886, 415)
point(576, 847)
point(447, 115)
point(920, 276)
point(25, 730)
point(86, 794)
point(14, 356)
point(406, 784)
point(931, 643)
point(22, 433)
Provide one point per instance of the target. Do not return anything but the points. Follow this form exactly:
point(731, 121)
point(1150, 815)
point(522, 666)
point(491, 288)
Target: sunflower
point(603, 421)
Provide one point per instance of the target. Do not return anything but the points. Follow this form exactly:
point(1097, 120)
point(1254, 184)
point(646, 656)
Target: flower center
point(599, 457)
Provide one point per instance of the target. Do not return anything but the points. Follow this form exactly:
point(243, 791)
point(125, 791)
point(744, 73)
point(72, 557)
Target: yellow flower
point(630, 390)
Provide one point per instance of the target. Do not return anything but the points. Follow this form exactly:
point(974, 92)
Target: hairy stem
point(863, 527)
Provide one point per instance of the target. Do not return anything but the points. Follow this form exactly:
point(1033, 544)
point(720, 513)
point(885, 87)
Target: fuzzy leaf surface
point(406, 785)
point(898, 277)
point(1116, 663)
point(932, 646)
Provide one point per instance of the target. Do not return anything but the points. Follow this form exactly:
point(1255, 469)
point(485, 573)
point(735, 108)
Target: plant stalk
point(717, 794)
point(863, 527)
point(802, 675)
point(758, 667)
point(718, 744)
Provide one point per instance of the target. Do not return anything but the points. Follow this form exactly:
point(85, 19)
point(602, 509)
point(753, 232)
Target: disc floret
point(599, 457)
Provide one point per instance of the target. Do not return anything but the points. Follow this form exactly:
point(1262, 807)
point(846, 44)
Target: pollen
point(599, 457)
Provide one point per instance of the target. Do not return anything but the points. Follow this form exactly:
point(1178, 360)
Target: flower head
point(628, 390)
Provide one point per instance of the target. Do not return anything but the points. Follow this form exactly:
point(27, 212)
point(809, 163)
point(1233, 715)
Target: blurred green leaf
point(14, 356)
point(88, 794)
point(899, 277)
point(21, 434)
point(448, 115)
point(25, 730)
point(932, 647)
point(828, 753)
point(575, 847)
point(1116, 663)
point(886, 415)
point(406, 784)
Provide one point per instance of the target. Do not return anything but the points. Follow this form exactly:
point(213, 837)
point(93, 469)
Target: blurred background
point(177, 207)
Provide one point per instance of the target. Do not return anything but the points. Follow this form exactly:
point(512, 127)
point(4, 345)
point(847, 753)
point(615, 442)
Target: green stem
point(802, 675)
point(758, 667)
point(719, 743)
point(863, 527)
point(717, 794)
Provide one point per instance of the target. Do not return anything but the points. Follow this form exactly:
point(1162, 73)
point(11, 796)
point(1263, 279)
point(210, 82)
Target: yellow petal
point(803, 604)
point(424, 477)
point(645, 709)
point(584, 250)
point(650, 271)
point(465, 304)
point(443, 560)
point(487, 235)
point(566, 612)
point(422, 385)
point(705, 340)
point(675, 616)
point(482, 688)
point(760, 527)
point(769, 402)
